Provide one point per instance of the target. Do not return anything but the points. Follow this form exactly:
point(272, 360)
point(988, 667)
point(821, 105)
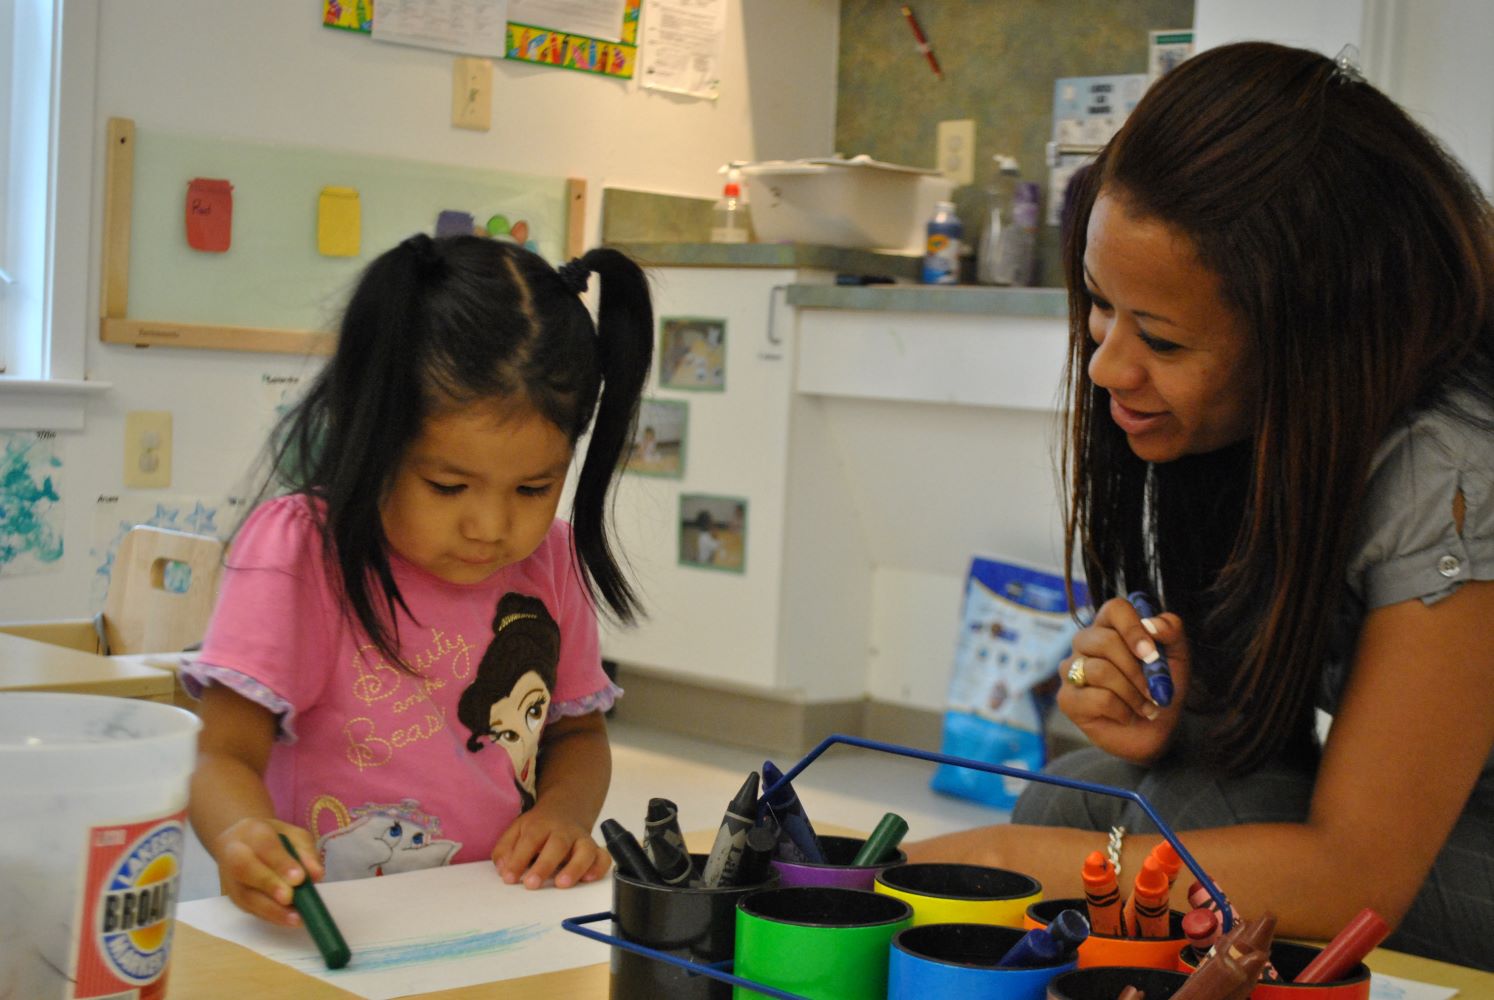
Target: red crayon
point(1347, 949)
point(1102, 896)
point(1147, 911)
point(1201, 928)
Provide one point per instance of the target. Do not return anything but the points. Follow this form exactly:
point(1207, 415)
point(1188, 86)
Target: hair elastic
point(1346, 65)
point(574, 274)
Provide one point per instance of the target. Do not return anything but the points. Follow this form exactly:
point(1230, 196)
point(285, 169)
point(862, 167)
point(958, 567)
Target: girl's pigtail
point(380, 400)
point(625, 346)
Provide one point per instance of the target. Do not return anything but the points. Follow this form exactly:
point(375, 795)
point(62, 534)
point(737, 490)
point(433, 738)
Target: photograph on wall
point(713, 532)
point(659, 439)
point(692, 353)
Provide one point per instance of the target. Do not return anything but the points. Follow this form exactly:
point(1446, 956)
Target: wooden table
point(32, 665)
point(202, 965)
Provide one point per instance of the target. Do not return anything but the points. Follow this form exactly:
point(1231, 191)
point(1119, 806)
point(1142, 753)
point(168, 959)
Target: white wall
point(268, 71)
point(1429, 55)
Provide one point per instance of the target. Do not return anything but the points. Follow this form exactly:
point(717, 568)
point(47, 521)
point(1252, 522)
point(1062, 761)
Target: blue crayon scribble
point(440, 948)
point(27, 499)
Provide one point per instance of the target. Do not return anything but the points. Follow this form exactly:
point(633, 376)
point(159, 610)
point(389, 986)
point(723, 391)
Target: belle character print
point(507, 701)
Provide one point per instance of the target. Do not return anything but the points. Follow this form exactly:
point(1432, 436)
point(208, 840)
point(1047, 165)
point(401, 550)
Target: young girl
point(413, 601)
point(1282, 375)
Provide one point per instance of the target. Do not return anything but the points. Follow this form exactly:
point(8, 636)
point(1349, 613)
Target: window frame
point(46, 385)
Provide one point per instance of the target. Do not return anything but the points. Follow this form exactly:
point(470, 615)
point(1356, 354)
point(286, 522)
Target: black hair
point(435, 324)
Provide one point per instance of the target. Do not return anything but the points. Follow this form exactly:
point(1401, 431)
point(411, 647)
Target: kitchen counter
point(773, 255)
point(962, 300)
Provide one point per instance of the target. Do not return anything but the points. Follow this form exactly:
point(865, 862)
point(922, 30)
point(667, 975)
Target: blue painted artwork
point(30, 504)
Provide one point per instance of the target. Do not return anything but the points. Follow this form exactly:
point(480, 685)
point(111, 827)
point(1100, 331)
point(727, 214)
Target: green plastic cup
point(817, 941)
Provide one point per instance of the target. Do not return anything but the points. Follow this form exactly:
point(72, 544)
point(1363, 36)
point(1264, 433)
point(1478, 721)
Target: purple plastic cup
point(837, 872)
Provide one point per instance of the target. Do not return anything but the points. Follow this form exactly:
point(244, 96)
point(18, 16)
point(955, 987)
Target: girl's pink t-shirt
point(393, 770)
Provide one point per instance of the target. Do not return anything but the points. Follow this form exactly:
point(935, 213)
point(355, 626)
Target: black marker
point(318, 921)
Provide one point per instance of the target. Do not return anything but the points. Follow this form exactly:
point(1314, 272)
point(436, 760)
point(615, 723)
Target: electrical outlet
point(472, 93)
point(956, 151)
point(147, 449)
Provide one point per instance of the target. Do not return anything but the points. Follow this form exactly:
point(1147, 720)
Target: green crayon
point(318, 921)
point(882, 842)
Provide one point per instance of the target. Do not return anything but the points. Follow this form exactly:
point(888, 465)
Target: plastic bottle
point(1016, 250)
point(729, 219)
point(998, 215)
point(941, 258)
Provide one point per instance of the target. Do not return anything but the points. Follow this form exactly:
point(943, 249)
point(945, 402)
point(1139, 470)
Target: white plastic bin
point(859, 203)
point(91, 843)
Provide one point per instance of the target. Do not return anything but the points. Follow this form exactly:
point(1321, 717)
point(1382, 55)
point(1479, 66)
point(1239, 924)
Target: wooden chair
point(142, 613)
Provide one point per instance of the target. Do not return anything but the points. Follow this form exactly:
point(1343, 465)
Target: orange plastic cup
point(1291, 958)
point(1106, 949)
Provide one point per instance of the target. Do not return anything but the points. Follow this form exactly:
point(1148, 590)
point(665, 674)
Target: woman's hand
point(544, 842)
point(259, 874)
point(1113, 707)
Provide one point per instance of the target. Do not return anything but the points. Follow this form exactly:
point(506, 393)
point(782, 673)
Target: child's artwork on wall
point(692, 353)
point(659, 439)
point(30, 503)
point(586, 37)
point(713, 532)
point(349, 15)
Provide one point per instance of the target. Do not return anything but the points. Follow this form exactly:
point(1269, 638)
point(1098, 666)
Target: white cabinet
point(795, 620)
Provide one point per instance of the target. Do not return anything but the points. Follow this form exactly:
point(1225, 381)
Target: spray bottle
point(729, 217)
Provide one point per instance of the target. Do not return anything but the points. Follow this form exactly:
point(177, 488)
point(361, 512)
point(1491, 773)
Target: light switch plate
point(147, 449)
point(472, 93)
point(956, 150)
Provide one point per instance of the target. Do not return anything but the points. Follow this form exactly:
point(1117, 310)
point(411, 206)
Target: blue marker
point(1158, 674)
point(1036, 947)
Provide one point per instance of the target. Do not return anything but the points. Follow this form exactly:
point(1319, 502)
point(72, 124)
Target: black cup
point(698, 925)
point(1103, 982)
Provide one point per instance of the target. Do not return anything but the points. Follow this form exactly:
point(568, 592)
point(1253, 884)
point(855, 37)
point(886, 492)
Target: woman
point(1281, 425)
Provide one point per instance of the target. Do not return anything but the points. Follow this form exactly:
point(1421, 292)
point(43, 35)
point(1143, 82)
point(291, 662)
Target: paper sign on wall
point(339, 222)
point(209, 213)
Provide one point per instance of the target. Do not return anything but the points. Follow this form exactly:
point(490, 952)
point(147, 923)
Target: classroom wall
point(999, 62)
point(268, 71)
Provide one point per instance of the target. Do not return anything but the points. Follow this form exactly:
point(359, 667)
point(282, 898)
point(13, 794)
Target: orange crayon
point(1147, 911)
point(1167, 857)
point(1102, 896)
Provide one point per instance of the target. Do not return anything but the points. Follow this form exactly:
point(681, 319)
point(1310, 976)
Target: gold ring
point(1076, 672)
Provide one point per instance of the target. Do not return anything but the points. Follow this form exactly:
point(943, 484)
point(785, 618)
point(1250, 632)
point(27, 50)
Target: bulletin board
point(272, 290)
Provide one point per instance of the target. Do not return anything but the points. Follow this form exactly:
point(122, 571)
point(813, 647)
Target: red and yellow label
point(128, 908)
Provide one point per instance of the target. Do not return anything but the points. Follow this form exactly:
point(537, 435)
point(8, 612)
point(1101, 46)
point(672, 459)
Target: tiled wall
point(999, 58)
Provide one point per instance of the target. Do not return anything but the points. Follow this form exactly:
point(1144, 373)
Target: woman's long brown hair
point(1358, 253)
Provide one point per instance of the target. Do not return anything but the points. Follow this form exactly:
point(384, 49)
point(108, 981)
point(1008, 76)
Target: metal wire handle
point(721, 970)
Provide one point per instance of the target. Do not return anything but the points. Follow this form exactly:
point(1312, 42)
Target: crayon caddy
point(723, 971)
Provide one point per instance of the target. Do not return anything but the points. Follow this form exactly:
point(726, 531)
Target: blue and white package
point(1015, 630)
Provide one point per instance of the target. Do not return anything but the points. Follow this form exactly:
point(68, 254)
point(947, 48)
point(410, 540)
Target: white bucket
point(91, 842)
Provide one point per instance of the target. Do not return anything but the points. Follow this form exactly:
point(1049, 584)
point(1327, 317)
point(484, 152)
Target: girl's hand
point(543, 842)
point(259, 874)
point(1113, 707)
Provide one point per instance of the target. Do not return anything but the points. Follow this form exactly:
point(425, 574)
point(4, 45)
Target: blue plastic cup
point(959, 960)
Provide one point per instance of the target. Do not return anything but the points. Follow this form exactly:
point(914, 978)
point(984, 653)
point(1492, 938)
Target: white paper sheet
point(423, 931)
point(472, 27)
point(682, 46)
point(593, 18)
point(1395, 988)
